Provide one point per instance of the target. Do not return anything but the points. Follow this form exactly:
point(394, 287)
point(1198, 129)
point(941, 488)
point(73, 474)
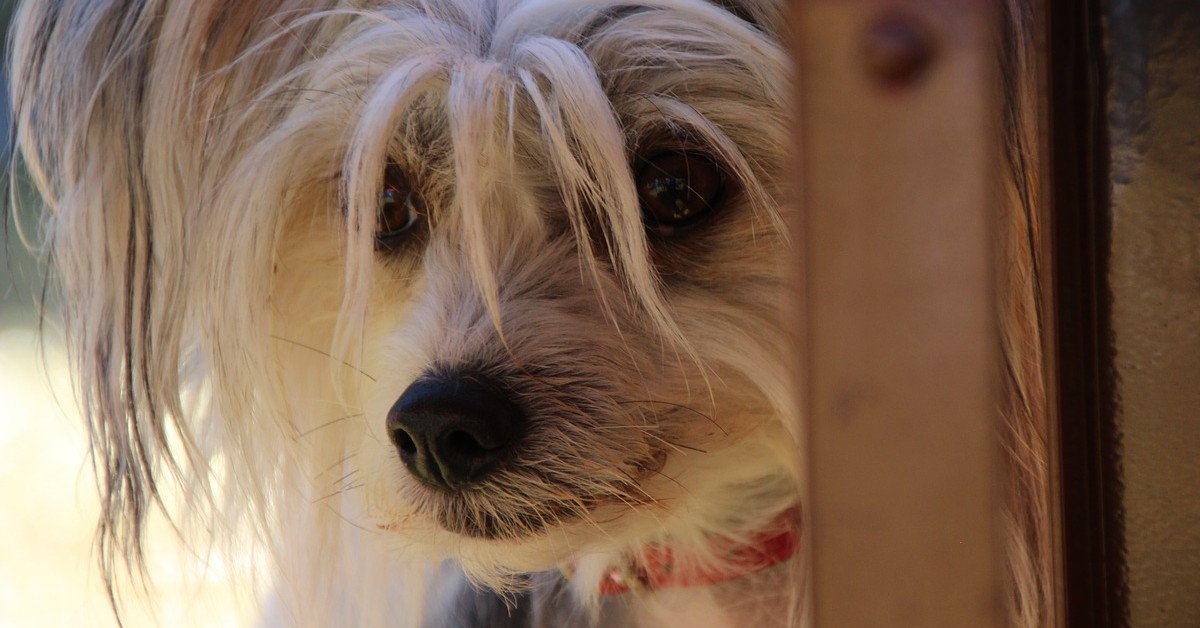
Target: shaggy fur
point(212, 169)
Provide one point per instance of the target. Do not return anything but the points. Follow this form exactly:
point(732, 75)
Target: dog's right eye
point(400, 209)
point(678, 190)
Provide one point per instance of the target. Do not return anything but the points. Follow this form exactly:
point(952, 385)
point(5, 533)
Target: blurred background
point(48, 574)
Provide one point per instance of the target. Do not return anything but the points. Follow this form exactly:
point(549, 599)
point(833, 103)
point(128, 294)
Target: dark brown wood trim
point(1090, 482)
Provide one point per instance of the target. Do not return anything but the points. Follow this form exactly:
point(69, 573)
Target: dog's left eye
point(400, 209)
point(678, 190)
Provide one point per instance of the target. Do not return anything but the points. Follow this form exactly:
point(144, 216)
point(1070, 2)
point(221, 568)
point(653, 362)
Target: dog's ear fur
point(113, 147)
point(1019, 306)
point(79, 90)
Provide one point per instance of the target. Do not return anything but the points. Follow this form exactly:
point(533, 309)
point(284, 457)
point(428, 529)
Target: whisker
point(338, 463)
point(677, 445)
point(672, 480)
point(678, 406)
point(347, 476)
point(335, 493)
point(326, 354)
point(322, 426)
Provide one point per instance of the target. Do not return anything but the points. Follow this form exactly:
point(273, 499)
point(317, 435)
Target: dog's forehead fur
point(533, 116)
point(565, 89)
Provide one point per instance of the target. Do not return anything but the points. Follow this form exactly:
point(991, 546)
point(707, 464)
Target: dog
point(465, 312)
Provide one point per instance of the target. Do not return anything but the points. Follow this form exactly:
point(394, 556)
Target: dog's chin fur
point(212, 170)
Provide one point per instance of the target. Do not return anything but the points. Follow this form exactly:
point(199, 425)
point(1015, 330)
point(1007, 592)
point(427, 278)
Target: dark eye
point(678, 190)
point(400, 209)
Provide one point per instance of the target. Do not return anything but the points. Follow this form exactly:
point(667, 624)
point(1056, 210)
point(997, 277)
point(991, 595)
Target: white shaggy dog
point(428, 292)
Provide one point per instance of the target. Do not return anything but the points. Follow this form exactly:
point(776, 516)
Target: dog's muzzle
point(454, 430)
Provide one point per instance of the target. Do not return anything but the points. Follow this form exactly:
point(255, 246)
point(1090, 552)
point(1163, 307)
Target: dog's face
point(504, 279)
point(567, 294)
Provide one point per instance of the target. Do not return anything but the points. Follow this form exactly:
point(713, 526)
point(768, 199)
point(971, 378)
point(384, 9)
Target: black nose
point(451, 431)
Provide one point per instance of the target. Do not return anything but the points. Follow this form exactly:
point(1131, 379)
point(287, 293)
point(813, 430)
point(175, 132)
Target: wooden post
point(898, 128)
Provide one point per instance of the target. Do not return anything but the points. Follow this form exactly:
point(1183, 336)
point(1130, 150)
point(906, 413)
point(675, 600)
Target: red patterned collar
point(658, 569)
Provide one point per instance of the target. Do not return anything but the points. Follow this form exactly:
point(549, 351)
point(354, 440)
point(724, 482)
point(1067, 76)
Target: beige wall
point(1155, 278)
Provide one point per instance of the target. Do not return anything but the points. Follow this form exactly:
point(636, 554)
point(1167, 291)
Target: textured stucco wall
point(1154, 105)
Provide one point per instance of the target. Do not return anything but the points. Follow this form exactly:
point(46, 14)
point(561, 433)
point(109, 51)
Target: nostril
point(465, 444)
point(404, 442)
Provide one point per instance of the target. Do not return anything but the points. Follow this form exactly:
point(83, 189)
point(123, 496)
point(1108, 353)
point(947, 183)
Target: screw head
point(898, 49)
